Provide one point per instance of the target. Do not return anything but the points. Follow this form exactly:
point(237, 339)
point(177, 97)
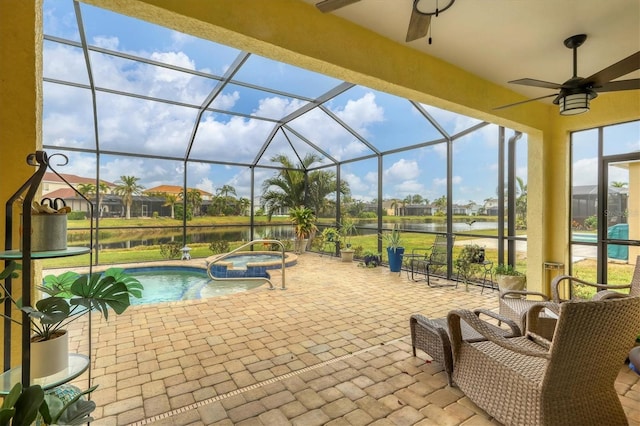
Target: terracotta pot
point(50, 356)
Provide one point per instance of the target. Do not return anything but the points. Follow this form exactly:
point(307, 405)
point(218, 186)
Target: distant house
point(177, 191)
point(52, 182)
point(155, 192)
point(584, 203)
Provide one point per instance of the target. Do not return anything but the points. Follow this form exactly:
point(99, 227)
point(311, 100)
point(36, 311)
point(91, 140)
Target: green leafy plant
point(219, 246)
point(304, 221)
point(393, 238)
point(347, 230)
point(71, 295)
point(22, 406)
point(502, 269)
point(331, 235)
point(170, 250)
point(470, 255)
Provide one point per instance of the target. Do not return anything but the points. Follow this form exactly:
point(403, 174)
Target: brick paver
point(333, 348)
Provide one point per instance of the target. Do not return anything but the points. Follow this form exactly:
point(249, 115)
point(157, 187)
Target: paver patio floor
point(334, 348)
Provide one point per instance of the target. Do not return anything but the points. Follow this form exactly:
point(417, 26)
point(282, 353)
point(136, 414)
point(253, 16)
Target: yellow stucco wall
point(20, 104)
point(295, 32)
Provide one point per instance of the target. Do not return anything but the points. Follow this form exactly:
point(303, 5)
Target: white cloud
point(401, 170)
point(584, 171)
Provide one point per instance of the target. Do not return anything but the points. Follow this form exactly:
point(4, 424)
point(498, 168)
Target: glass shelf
point(78, 364)
point(70, 251)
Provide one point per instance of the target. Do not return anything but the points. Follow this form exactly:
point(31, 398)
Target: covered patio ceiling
point(504, 40)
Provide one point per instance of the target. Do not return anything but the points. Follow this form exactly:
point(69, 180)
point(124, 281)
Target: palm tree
point(286, 189)
point(225, 190)
point(619, 184)
point(321, 184)
point(126, 188)
point(441, 203)
point(86, 189)
point(171, 200)
point(194, 199)
point(243, 205)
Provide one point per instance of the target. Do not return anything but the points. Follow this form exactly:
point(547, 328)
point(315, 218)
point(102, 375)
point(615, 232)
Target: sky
point(135, 125)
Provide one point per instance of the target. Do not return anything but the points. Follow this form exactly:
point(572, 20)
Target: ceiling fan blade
point(418, 25)
point(537, 83)
point(331, 5)
point(614, 86)
point(524, 102)
point(616, 70)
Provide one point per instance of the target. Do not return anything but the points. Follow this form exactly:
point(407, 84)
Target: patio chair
point(516, 308)
point(532, 381)
point(605, 291)
point(422, 263)
point(432, 336)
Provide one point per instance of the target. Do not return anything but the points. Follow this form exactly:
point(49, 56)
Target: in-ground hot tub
point(244, 264)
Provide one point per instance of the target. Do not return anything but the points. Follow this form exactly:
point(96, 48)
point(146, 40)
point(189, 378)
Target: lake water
point(280, 232)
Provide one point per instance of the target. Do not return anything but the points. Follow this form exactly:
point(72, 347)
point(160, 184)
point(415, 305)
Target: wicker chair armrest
point(481, 327)
point(524, 293)
point(608, 294)
point(555, 284)
point(428, 324)
point(515, 330)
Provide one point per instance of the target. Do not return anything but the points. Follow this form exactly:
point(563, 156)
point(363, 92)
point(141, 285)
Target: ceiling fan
point(420, 19)
point(575, 93)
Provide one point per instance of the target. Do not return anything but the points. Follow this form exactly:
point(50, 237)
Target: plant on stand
point(304, 225)
point(395, 251)
point(471, 254)
point(70, 296)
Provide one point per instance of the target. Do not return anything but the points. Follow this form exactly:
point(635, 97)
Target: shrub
point(591, 222)
point(219, 246)
point(155, 215)
point(170, 250)
point(76, 215)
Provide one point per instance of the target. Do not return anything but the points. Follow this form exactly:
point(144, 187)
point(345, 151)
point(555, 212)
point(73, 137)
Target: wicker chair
point(516, 308)
point(432, 336)
point(605, 291)
point(532, 381)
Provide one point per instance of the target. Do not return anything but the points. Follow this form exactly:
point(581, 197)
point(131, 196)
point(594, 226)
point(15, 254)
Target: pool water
point(241, 260)
point(179, 283)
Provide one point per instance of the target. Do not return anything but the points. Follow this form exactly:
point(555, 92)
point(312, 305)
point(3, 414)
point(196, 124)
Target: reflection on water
point(278, 232)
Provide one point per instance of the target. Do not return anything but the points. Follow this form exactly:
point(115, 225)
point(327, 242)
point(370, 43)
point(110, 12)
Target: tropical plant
point(304, 221)
point(22, 406)
point(126, 188)
point(331, 235)
point(71, 295)
point(393, 239)
point(503, 269)
point(347, 230)
point(292, 186)
point(171, 200)
point(471, 254)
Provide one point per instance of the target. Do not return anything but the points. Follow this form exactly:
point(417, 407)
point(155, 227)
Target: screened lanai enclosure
point(199, 134)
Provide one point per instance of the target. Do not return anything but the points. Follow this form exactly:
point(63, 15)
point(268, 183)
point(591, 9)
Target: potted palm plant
point(69, 297)
point(347, 230)
point(394, 249)
point(304, 225)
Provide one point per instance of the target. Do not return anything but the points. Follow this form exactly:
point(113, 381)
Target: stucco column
point(20, 103)
point(633, 206)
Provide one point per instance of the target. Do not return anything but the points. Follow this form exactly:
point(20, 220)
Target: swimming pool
point(247, 264)
point(170, 284)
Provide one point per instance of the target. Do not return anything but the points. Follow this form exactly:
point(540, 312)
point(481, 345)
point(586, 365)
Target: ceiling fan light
point(431, 7)
point(575, 103)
